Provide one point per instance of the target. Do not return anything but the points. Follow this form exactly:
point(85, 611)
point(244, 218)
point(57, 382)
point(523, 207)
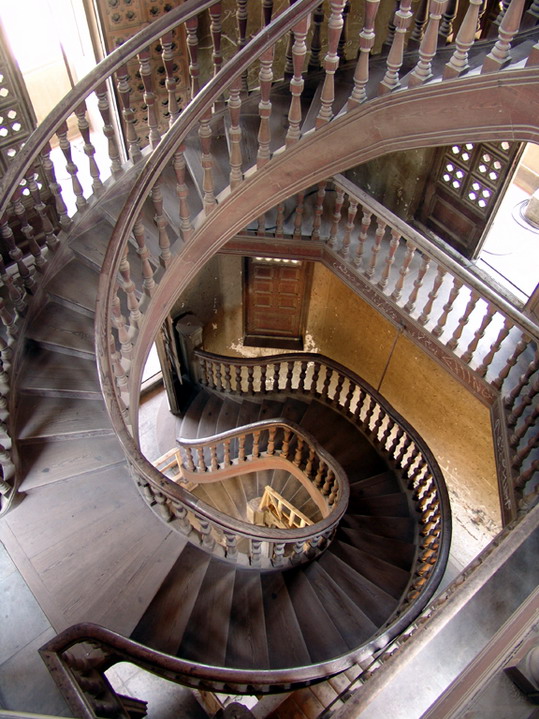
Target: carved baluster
point(71, 168)
point(278, 554)
point(352, 210)
point(234, 132)
point(289, 374)
point(237, 378)
point(319, 474)
point(318, 210)
point(309, 463)
point(465, 39)
point(256, 553)
point(279, 230)
point(341, 48)
point(302, 377)
point(276, 375)
point(525, 451)
point(378, 425)
point(213, 458)
point(161, 222)
point(167, 56)
point(369, 414)
point(145, 71)
point(89, 149)
point(142, 250)
point(433, 294)
point(423, 70)
point(55, 187)
point(316, 43)
point(205, 530)
point(366, 41)
point(128, 286)
point(201, 462)
point(271, 440)
point(256, 444)
point(9, 320)
point(299, 50)
point(479, 334)
point(339, 201)
point(365, 224)
point(191, 26)
point(390, 426)
point(118, 321)
point(327, 381)
point(241, 22)
point(231, 549)
point(446, 26)
point(16, 255)
point(261, 226)
point(420, 20)
point(328, 483)
point(51, 240)
point(463, 321)
point(216, 30)
point(453, 294)
point(128, 114)
point(28, 231)
point(523, 381)
point(349, 397)
point(263, 377)
point(250, 379)
point(122, 382)
point(226, 453)
point(219, 376)
point(331, 63)
point(418, 284)
point(15, 294)
point(403, 17)
point(511, 362)
point(525, 402)
point(495, 347)
point(380, 230)
point(314, 381)
point(182, 192)
point(523, 478)
point(285, 448)
point(264, 108)
point(360, 404)
point(390, 259)
point(499, 55)
point(205, 135)
point(519, 433)
point(338, 390)
point(103, 106)
point(298, 216)
point(228, 382)
point(403, 271)
point(388, 42)
point(299, 451)
point(241, 448)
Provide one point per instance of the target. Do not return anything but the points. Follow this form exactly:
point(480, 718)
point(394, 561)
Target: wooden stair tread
point(62, 329)
point(394, 551)
point(92, 244)
point(60, 417)
point(45, 372)
point(220, 498)
point(383, 483)
point(75, 286)
point(163, 624)
point(390, 578)
point(191, 419)
point(388, 505)
point(402, 528)
point(286, 646)
point(247, 645)
point(205, 637)
point(209, 416)
point(323, 639)
point(46, 461)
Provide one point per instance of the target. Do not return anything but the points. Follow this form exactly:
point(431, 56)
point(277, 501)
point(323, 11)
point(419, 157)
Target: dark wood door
point(463, 190)
point(275, 302)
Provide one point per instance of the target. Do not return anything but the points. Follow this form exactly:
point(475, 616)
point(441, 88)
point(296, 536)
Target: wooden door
point(463, 190)
point(275, 302)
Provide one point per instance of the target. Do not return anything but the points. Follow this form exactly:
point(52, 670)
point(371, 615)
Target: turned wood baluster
point(433, 294)
point(369, 413)
point(279, 230)
point(319, 474)
point(205, 135)
point(231, 549)
point(15, 294)
point(391, 80)
point(316, 42)
point(302, 377)
point(392, 449)
point(423, 70)
point(519, 349)
point(465, 39)
point(328, 482)
point(216, 29)
point(205, 530)
point(226, 453)
point(130, 290)
point(418, 284)
point(299, 50)
point(380, 230)
point(289, 374)
point(256, 553)
point(241, 22)
point(403, 271)
point(17, 256)
point(309, 463)
point(265, 77)
point(327, 381)
point(463, 321)
point(378, 425)
point(349, 397)
point(299, 451)
point(360, 404)
point(285, 448)
point(182, 192)
point(500, 53)
point(213, 458)
point(338, 390)
point(318, 210)
point(352, 211)
point(495, 347)
point(453, 294)
point(523, 381)
point(518, 410)
point(237, 378)
point(256, 444)
point(479, 334)
point(271, 440)
point(167, 56)
point(228, 378)
point(9, 320)
point(276, 376)
point(341, 48)
point(390, 259)
point(523, 478)
point(161, 222)
point(420, 20)
point(71, 168)
point(531, 17)
point(263, 378)
point(390, 426)
point(51, 239)
point(366, 41)
point(128, 114)
point(234, 132)
point(524, 427)
point(103, 105)
point(336, 218)
point(201, 462)
point(28, 231)
point(54, 186)
point(298, 217)
point(142, 250)
point(446, 26)
point(250, 380)
point(331, 63)
point(192, 45)
point(241, 448)
point(89, 149)
point(525, 451)
point(148, 95)
point(120, 324)
point(122, 382)
point(278, 554)
point(314, 380)
point(219, 376)
point(363, 230)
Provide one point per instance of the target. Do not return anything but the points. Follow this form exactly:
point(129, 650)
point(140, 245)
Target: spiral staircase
point(94, 554)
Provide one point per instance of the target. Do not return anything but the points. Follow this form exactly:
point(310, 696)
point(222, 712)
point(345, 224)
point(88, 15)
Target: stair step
point(388, 577)
point(219, 497)
point(75, 287)
point(219, 152)
point(395, 551)
point(376, 603)
point(286, 646)
point(320, 634)
point(247, 646)
point(387, 505)
point(91, 245)
point(163, 624)
point(55, 374)
point(191, 419)
point(60, 418)
point(61, 329)
point(383, 483)
point(353, 624)
point(210, 414)
point(44, 462)
point(392, 527)
point(206, 635)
